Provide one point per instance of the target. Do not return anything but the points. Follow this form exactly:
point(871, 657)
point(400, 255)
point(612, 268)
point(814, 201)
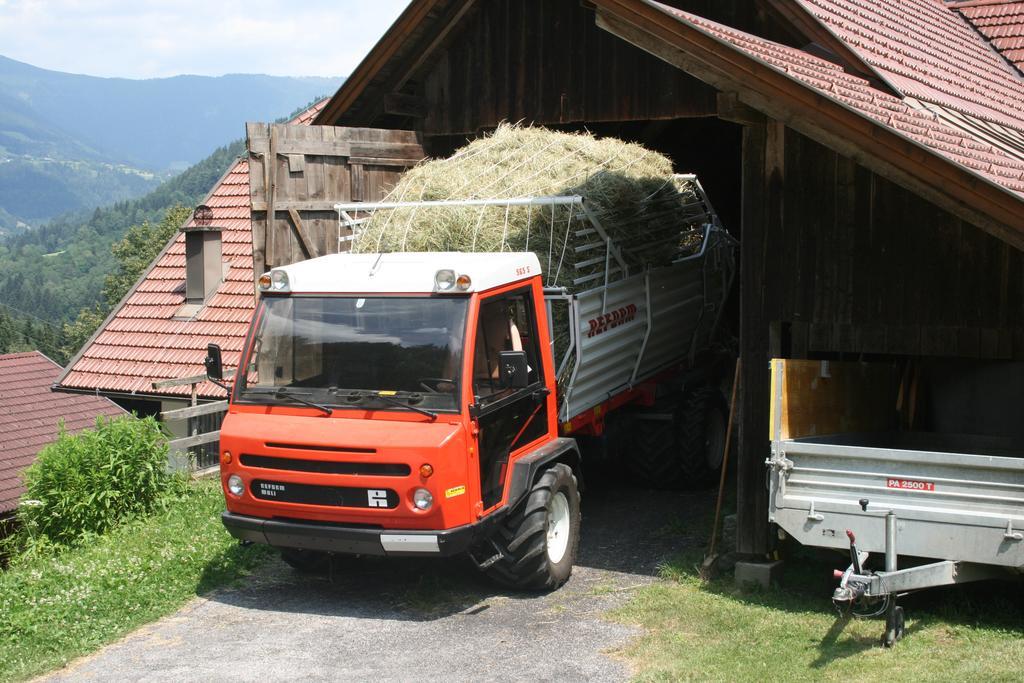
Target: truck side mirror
point(514, 371)
point(213, 363)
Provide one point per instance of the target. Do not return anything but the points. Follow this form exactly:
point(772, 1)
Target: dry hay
point(649, 215)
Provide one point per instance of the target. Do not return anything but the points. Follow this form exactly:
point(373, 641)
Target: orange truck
point(415, 404)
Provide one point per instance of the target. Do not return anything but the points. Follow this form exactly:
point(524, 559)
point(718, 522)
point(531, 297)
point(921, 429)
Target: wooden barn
point(869, 155)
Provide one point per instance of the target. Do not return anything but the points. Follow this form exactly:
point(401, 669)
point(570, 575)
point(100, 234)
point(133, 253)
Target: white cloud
point(151, 38)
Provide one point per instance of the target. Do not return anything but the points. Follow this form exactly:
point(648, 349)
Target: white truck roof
point(407, 272)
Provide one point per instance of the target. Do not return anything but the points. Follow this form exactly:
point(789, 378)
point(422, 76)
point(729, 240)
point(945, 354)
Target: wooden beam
point(379, 55)
point(297, 205)
point(195, 411)
point(300, 231)
point(843, 129)
point(401, 104)
point(190, 441)
point(731, 109)
point(761, 179)
point(182, 381)
point(289, 145)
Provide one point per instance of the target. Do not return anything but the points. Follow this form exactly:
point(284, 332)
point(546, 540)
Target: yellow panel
point(829, 397)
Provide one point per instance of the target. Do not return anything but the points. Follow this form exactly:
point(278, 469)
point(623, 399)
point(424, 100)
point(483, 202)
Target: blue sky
point(150, 38)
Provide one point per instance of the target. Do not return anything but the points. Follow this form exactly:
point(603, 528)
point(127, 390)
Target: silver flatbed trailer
point(955, 500)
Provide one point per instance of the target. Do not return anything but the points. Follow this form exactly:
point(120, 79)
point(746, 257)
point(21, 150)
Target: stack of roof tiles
point(144, 341)
point(30, 415)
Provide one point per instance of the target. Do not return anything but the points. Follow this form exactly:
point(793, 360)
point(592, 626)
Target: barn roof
point(916, 123)
point(909, 89)
point(908, 118)
point(144, 340)
point(30, 415)
point(1001, 22)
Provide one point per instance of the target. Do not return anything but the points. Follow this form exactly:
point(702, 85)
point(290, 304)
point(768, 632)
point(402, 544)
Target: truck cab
point(403, 404)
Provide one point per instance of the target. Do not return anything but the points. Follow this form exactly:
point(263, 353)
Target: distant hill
point(70, 142)
point(58, 269)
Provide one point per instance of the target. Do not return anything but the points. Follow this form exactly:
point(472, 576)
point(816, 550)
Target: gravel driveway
point(378, 619)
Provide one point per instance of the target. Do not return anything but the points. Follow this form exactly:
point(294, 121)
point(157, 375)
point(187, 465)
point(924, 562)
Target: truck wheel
point(306, 561)
point(539, 540)
point(701, 437)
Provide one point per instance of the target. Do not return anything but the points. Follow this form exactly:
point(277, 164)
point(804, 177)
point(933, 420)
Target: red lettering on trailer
point(910, 484)
point(612, 319)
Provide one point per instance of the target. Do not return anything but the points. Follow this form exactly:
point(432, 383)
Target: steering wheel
point(426, 382)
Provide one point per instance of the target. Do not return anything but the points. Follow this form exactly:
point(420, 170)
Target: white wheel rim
point(559, 523)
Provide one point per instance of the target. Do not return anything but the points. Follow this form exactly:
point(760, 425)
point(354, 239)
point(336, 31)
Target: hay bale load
point(652, 216)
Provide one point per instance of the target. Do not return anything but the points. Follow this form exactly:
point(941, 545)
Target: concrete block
point(762, 574)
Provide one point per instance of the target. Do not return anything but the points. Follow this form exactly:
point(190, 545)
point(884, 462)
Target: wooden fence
point(193, 452)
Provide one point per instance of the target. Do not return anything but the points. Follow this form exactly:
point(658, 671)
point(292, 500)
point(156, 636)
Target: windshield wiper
point(284, 393)
point(392, 400)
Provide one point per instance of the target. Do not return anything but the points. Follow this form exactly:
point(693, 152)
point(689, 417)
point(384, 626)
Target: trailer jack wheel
point(894, 625)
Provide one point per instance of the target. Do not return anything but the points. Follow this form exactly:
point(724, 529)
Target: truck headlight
point(444, 279)
point(279, 280)
point(422, 499)
point(235, 485)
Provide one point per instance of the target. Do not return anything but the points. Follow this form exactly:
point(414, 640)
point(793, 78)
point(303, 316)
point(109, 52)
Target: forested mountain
point(69, 142)
point(58, 269)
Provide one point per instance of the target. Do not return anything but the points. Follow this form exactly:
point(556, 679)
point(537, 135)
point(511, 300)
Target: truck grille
point(271, 462)
point(326, 449)
point(333, 496)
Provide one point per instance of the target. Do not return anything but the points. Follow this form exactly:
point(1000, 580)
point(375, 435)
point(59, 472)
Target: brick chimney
point(204, 269)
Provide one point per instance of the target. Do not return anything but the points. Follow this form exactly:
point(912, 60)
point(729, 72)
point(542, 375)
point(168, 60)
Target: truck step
point(485, 564)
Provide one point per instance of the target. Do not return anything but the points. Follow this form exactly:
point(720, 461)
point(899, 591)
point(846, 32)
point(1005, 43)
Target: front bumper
point(345, 540)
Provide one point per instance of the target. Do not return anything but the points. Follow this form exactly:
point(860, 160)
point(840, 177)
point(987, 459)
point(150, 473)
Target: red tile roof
point(830, 80)
point(928, 52)
point(143, 342)
point(1001, 22)
point(30, 414)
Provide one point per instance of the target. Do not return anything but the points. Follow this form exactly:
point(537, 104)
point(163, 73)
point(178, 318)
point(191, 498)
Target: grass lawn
point(59, 608)
point(718, 632)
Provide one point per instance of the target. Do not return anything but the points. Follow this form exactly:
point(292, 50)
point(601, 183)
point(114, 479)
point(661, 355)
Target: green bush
point(85, 483)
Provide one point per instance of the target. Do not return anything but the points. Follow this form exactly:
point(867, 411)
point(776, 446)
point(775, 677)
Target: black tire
point(652, 459)
point(701, 437)
point(523, 537)
point(306, 561)
point(680, 448)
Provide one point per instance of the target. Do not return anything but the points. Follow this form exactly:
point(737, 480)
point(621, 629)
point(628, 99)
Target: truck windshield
point(348, 351)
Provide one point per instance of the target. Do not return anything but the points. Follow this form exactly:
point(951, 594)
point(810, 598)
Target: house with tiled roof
point(31, 417)
point(160, 329)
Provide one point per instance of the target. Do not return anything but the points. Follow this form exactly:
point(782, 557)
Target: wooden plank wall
point(837, 262)
point(312, 168)
point(547, 62)
point(861, 266)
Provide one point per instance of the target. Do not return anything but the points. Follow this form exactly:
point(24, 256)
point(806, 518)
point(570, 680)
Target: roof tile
point(857, 93)
point(30, 414)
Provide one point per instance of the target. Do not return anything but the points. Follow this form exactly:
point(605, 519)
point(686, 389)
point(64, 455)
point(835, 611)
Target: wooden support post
point(763, 147)
point(300, 230)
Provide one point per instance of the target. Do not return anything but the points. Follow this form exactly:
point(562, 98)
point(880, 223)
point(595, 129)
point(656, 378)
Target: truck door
point(508, 419)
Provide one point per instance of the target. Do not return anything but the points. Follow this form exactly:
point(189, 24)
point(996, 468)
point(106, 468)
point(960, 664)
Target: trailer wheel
point(537, 543)
point(306, 561)
point(701, 437)
point(653, 460)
